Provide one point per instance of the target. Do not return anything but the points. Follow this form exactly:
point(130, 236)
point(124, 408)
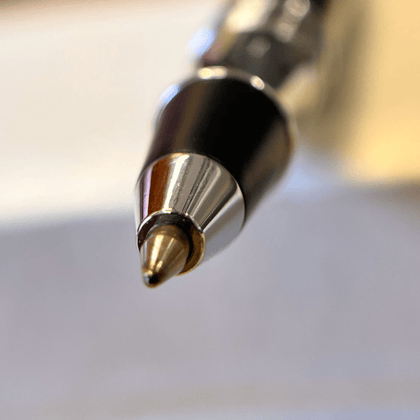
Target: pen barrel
point(232, 118)
point(270, 39)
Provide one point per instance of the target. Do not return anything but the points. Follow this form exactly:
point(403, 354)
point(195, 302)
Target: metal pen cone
point(163, 254)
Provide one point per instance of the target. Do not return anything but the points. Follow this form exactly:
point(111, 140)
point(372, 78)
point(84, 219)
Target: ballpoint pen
point(223, 137)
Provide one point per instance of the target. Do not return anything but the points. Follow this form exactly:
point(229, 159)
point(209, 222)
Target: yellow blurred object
point(368, 127)
point(386, 134)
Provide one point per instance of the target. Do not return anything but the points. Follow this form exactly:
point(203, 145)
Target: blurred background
point(312, 313)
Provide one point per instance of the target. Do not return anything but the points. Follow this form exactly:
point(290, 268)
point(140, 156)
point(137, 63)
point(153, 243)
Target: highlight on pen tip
point(151, 279)
point(163, 254)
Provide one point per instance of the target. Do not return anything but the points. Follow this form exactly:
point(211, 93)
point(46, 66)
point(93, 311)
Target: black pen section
point(232, 122)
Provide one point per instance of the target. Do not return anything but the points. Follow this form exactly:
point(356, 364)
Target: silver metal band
point(195, 192)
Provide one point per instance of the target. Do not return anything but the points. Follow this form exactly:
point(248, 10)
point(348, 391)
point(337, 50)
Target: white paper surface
point(314, 307)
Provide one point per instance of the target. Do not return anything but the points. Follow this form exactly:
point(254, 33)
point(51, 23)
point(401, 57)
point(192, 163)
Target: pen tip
point(150, 279)
point(163, 254)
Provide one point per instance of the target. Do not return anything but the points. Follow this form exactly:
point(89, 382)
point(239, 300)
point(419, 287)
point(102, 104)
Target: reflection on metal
point(347, 71)
point(216, 72)
point(164, 254)
point(297, 9)
point(194, 193)
point(258, 47)
point(246, 15)
point(221, 72)
point(168, 94)
point(269, 39)
point(201, 41)
point(257, 83)
point(293, 12)
point(308, 56)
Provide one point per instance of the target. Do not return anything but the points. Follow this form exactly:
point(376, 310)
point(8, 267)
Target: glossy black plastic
point(232, 122)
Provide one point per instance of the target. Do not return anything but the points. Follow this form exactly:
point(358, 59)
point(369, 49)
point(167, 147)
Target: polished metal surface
point(194, 192)
point(266, 38)
point(219, 72)
point(261, 43)
point(164, 254)
point(322, 57)
point(236, 118)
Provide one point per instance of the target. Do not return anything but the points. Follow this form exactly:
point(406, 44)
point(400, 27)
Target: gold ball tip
point(151, 279)
point(164, 254)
